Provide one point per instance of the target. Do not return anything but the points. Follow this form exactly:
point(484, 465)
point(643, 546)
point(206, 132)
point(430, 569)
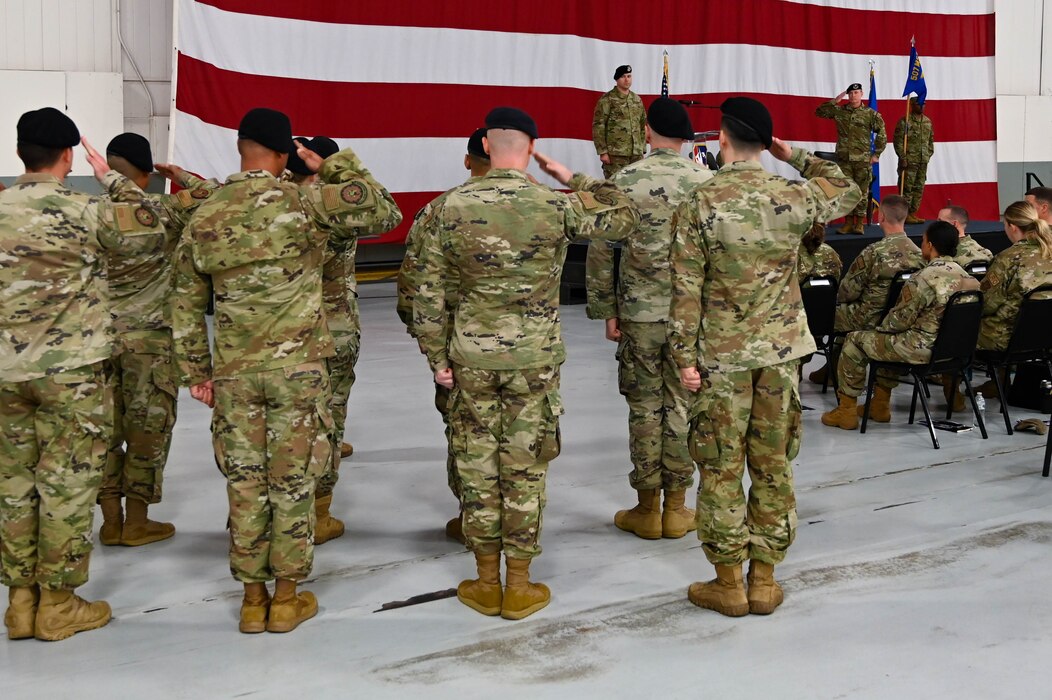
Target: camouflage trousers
point(270, 432)
point(854, 316)
point(618, 162)
point(53, 437)
point(913, 185)
point(749, 417)
point(144, 406)
point(505, 431)
point(862, 346)
point(658, 408)
point(861, 173)
point(341, 377)
point(442, 404)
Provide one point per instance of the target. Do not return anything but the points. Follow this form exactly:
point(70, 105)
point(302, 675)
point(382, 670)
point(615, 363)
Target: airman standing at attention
point(737, 330)
point(914, 145)
point(145, 389)
point(476, 161)
point(854, 154)
point(260, 243)
point(507, 238)
point(56, 395)
point(636, 318)
point(618, 124)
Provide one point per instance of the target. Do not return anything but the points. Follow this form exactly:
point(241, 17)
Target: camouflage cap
point(511, 118)
point(47, 127)
point(133, 148)
point(267, 127)
point(475, 145)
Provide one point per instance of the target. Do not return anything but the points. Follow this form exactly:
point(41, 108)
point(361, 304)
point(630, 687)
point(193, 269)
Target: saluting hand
point(553, 167)
point(309, 157)
point(780, 149)
point(170, 171)
point(95, 160)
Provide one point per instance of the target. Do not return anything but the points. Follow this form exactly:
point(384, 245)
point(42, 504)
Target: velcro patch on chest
point(832, 186)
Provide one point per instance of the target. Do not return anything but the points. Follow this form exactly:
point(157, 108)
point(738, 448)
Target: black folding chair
point(951, 355)
point(1031, 341)
point(897, 283)
point(819, 296)
point(977, 269)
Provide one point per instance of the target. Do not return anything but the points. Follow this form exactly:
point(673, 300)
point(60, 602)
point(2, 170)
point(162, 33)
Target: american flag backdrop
point(406, 82)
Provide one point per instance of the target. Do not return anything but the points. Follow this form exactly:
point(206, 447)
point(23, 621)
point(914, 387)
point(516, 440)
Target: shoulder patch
point(200, 193)
point(184, 198)
point(353, 193)
point(832, 186)
point(145, 217)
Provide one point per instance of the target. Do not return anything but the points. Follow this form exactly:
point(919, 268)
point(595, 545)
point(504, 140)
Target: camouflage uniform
point(908, 333)
point(618, 129)
point(340, 297)
point(853, 129)
point(919, 147)
point(824, 262)
point(407, 288)
point(507, 238)
point(56, 400)
point(864, 289)
point(261, 243)
point(647, 376)
point(145, 390)
point(969, 252)
point(1015, 271)
point(737, 315)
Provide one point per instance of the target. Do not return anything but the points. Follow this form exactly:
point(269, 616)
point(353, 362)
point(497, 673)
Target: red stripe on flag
point(979, 198)
point(393, 110)
point(664, 22)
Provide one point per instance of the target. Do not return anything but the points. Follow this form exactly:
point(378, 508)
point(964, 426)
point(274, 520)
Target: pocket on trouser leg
point(323, 459)
point(795, 427)
point(551, 437)
point(627, 381)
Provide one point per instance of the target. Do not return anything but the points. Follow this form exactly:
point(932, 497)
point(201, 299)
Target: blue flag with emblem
point(874, 188)
point(915, 78)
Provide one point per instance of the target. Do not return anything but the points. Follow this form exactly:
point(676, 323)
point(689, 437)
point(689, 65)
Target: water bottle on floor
point(980, 403)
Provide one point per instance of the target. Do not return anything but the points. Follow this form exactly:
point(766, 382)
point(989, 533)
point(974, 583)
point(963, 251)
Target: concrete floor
point(916, 572)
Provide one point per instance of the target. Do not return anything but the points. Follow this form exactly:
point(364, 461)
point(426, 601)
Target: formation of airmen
point(102, 316)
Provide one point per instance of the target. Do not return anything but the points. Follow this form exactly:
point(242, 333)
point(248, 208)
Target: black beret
point(622, 70)
point(753, 116)
point(475, 145)
point(267, 127)
point(511, 118)
point(669, 118)
point(854, 86)
point(296, 164)
point(133, 148)
point(47, 127)
point(324, 146)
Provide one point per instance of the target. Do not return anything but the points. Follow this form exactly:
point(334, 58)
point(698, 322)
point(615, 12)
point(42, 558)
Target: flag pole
point(906, 136)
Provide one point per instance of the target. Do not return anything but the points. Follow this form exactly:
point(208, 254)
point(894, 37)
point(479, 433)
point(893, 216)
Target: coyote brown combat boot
point(483, 594)
point(948, 387)
point(288, 609)
point(676, 520)
point(20, 618)
point(725, 594)
point(61, 614)
point(112, 521)
point(879, 406)
point(764, 592)
point(912, 218)
point(844, 415)
point(139, 530)
point(645, 519)
point(254, 608)
point(522, 598)
point(327, 527)
point(820, 374)
point(346, 450)
point(455, 528)
point(849, 224)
